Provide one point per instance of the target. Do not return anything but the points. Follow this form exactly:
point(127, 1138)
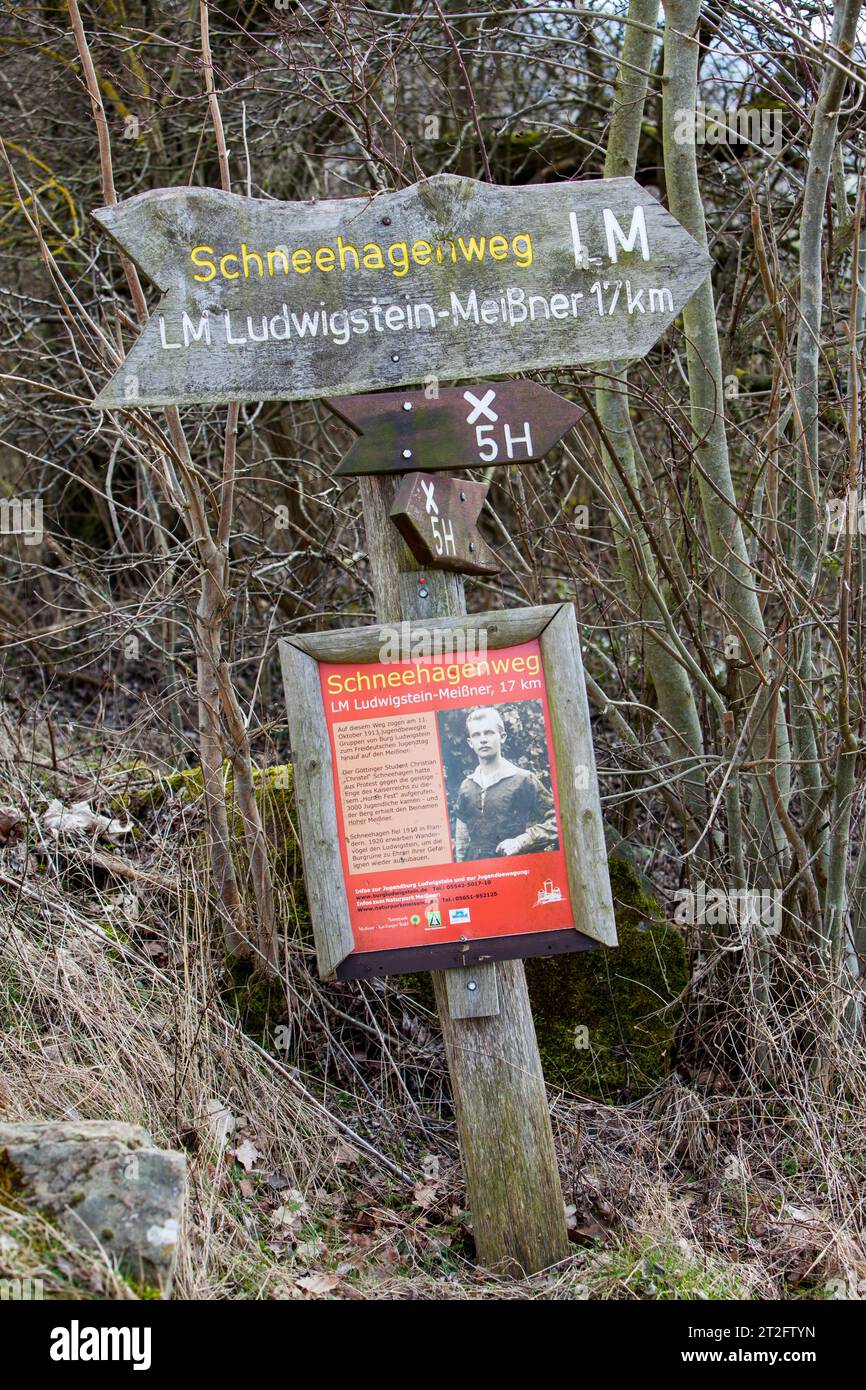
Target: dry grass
point(114, 1005)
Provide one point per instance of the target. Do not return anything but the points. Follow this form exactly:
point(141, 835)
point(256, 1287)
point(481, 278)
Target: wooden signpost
point(505, 422)
point(436, 518)
point(448, 279)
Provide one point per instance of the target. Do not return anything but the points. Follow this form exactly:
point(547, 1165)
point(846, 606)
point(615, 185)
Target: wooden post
point(500, 1098)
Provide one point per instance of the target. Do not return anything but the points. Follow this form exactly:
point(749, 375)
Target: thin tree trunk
point(836, 915)
point(212, 574)
point(711, 462)
point(239, 743)
point(211, 753)
point(673, 688)
point(825, 125)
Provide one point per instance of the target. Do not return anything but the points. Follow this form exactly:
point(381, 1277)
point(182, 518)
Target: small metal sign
point(461, 427)
point(436, 518)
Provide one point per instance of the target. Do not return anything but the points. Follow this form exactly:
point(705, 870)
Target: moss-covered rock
point(606, 1019)
point(103, 1183)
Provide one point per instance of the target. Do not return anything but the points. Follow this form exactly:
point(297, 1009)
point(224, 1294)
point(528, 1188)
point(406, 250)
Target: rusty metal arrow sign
point(436, 517)
point(463, 427)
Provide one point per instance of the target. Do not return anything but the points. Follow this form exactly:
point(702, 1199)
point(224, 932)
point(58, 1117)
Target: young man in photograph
point(501, 809)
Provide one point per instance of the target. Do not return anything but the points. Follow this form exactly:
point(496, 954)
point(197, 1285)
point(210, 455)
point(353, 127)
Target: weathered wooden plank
point(314, 792)
point(503, 627)
point(579, 804)
point(449, 278)
point(503, 1123)
point(459, 427)
point(472, 991)
point(436, 518)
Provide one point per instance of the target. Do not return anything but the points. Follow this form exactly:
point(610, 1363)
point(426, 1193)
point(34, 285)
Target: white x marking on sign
point(480, 407)
point(430, 500)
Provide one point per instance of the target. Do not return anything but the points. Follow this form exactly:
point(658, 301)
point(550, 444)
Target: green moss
point(614, 995)
point(601, 1017)
point(420, 988)
point(143, 1291)
point(11, 1001)
point(258, 1001)
point(112, 932)
point(662, 1272)
point(11, 1180)
point(146, 787)
point(524, 139)
point(275, 796)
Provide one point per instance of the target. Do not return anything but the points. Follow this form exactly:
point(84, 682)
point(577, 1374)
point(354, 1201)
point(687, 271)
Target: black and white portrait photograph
point(497, 780)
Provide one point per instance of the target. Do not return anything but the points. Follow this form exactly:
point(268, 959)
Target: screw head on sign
point(422, 593)
point(471, 545)
point(471, 985)
point(386, 221)
point(407, 405)
point(463, 497)
point(407, 453)
point(395, 357)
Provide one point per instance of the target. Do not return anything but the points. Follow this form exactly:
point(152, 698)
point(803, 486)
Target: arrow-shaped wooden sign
point(449, 278)
point(463, 427)
point(436, 517)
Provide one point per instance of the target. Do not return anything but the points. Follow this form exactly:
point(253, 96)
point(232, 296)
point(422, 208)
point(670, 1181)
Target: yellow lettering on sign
point(398, 257)
point(198, 259)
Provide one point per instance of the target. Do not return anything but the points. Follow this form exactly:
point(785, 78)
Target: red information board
point(446, 792)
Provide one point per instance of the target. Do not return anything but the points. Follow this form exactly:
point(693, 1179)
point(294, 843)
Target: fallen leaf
point(308, 1251)
point(430, 1167)
point(424, 1194)
point(292, 1210)
point(277, 1181)
point(318, 1283)
point(246, 1155)
point(222, 1121)
point(589, 1230)
point(80, 819)
point(11, 821)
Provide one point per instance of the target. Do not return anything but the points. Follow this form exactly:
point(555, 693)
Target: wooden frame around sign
point(555, 627)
